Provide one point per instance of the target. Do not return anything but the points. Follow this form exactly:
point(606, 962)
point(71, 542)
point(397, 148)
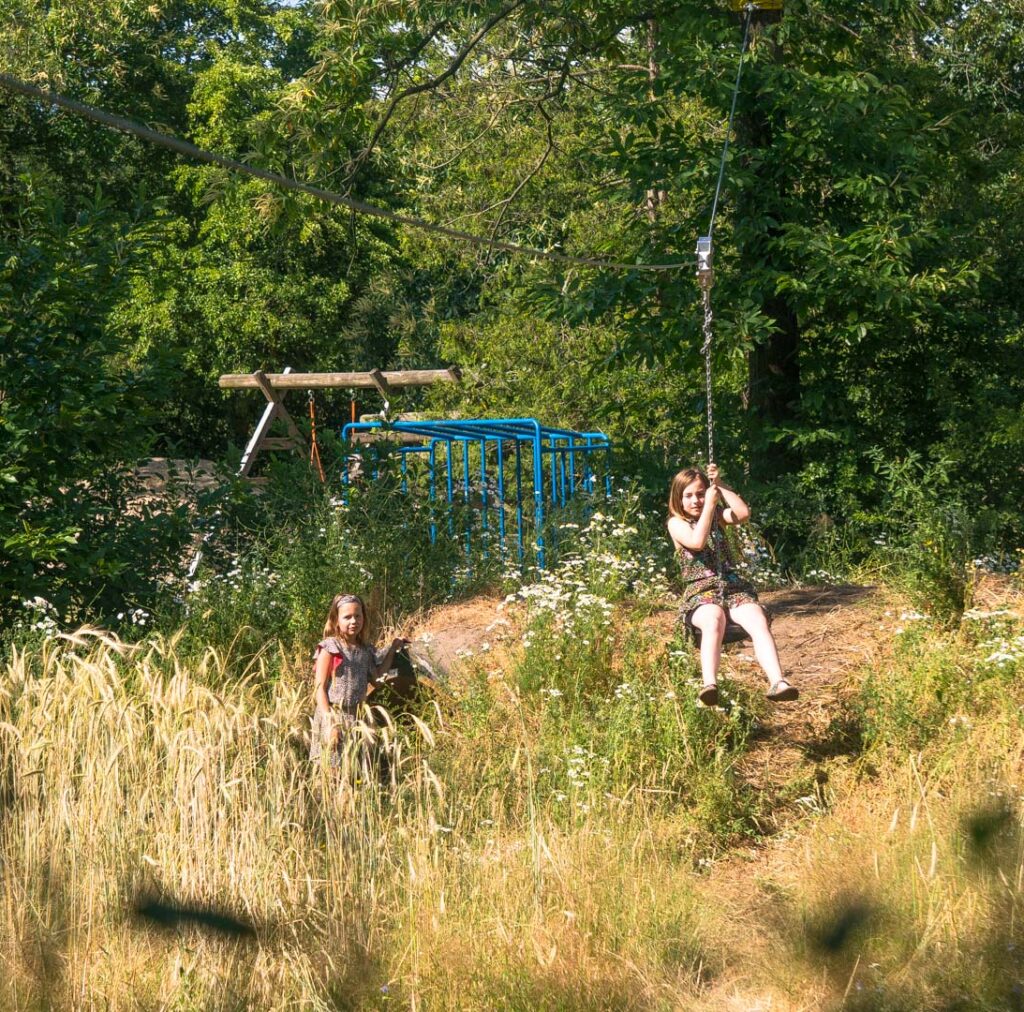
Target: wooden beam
point(252, 448)
point(381, 384)
point(280, 443)
point(330, 380)
point(276, 399)
point(259, 440)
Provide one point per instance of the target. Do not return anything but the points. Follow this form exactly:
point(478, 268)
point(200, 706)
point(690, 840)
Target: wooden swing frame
point(274, 387)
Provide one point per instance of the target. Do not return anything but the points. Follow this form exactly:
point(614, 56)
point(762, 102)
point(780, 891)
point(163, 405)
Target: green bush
point(275, 560)
point(74, 529)
point(606, 715)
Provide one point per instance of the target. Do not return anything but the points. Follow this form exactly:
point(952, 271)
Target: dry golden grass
point(125, 777)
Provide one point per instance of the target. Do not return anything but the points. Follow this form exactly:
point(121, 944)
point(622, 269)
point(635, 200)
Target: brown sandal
point(708, 695)
point(783, 692)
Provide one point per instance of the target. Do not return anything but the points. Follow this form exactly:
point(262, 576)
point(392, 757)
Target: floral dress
point(709, 576)
point(352, 673)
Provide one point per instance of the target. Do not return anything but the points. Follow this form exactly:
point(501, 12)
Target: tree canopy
point(868, 240)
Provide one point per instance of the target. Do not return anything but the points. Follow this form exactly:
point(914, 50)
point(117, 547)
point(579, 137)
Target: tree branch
point(416, 89)
point(507, 202)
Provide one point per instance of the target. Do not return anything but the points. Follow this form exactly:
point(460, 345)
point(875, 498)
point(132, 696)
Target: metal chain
point(706, 352)
point(705, 244)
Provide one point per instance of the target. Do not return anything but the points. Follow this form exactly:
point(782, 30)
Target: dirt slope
point(824, 635)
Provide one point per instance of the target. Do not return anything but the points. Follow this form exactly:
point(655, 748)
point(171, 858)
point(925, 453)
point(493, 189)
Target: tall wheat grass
point(126, 778)
point(520, 848)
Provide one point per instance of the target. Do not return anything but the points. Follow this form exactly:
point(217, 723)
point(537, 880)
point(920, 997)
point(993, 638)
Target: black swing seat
point(398, 687)
point(409, 682)
point(733, 633)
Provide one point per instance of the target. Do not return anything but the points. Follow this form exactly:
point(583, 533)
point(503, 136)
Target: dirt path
point(824, 635)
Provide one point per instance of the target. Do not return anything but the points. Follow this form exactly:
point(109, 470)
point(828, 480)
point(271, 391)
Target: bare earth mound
point(824, 635)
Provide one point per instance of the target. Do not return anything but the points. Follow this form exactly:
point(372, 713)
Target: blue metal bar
point(550, 448)
point(433, 491)
point(450, 483)
point(501, 498)
point(465, 490)
point(450, 487)
point(572, 466)
point(561, 475)
point(574, 450)
point(519, 501)
point(483, 495)
point(538, 496)
point(523, 428)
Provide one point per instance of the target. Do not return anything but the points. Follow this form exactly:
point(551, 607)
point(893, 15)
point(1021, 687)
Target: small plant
point(926, 535)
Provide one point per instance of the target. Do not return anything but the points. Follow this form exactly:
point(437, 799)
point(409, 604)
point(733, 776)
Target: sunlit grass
point(125, 776)
point(561, 828)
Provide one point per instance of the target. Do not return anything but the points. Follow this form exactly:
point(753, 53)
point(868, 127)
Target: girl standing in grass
point(713, 591)
point(345, 668)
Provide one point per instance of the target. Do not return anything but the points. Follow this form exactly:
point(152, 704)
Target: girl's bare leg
point(710, 620)
point(752, 618)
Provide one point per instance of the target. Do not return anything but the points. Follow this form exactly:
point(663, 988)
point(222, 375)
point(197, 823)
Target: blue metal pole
point(483, 495)
point(519, 500)
point(572, 466)
point(433, 490)
point(554, 483)
point(561, 474)
point(501, 498)
point(538, 495)
point(465, 489)
point(450, 488)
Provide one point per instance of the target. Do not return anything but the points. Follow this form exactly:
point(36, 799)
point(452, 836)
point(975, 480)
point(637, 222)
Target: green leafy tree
point(73, 528)
point(858, 247)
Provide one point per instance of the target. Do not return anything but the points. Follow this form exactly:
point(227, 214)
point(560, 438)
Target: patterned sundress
point(352, 674)
point(709, 576)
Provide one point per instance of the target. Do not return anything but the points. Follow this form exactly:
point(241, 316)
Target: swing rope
point(314, 449)
point(705, 248)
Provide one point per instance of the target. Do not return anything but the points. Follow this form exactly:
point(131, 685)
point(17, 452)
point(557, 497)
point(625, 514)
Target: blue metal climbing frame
point(494, 465)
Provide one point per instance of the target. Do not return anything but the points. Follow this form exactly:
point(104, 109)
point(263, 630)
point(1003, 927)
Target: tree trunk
point(655, 197)
point(773, 367)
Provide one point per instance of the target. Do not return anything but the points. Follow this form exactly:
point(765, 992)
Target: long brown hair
point(331, 626)
point(678, 486)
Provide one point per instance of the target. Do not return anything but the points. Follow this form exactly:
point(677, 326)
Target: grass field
point(562, 828)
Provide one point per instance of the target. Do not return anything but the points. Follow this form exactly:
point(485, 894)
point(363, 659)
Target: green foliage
point(73, 527)
point(940, 683)
point(867, 241)
point(610, 713)
point(275, 560)
point(927, 534)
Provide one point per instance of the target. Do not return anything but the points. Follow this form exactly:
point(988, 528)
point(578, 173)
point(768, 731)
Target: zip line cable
point(182, 147)
point(705, 273)
point(732, 113)
point(705, 250)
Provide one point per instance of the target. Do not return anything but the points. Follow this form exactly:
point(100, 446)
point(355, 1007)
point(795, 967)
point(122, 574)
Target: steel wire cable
point(707, 276)
point(190, 150)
